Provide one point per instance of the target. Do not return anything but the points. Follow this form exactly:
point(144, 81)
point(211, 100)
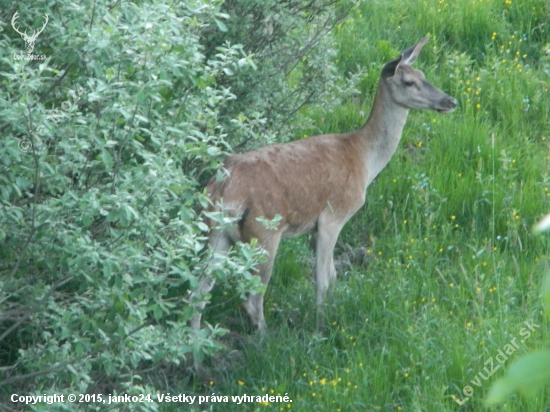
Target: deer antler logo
point(29, 40)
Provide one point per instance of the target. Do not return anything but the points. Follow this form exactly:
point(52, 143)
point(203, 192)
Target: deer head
point(408, 86)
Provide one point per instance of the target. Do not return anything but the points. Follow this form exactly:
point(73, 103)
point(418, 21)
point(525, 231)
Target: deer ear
point(407, 57)
point(390, 67)
point(410, 55)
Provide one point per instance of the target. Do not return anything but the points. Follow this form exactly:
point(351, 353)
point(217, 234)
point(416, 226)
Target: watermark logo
point(29, 40)
point(501, 357)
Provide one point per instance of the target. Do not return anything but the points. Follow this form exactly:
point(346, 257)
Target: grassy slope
point(452, 271)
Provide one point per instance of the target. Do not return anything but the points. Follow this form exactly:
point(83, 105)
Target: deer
point(29, 40)
point(314, 185)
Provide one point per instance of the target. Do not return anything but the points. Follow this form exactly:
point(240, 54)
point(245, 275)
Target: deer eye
point(409, 83)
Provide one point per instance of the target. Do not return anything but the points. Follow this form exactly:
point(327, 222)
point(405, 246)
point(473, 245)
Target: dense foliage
point(107, 143)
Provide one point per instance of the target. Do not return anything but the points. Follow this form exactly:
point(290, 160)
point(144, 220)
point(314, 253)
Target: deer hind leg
point(325, 272)
point(254, 304)
point(313, 247)
point(220, 244)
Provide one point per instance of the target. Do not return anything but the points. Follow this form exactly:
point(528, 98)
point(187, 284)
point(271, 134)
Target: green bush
point(105, 147)
point(107, 144)
point(295, 69)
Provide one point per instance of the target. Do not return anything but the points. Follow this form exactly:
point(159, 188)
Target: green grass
point(452, 271)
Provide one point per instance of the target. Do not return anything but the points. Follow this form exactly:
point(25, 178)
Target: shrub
point(105, 143)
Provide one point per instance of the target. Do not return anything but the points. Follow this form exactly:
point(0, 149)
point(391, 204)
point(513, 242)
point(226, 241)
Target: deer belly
point(300, 228)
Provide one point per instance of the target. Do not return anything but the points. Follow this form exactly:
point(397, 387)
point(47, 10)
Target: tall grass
point(451, 271)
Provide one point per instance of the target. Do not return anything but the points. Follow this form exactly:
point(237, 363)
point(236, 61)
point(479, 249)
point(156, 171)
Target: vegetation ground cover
point(451, 270)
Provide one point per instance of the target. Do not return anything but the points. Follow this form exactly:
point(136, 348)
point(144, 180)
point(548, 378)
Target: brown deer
point(315, 185)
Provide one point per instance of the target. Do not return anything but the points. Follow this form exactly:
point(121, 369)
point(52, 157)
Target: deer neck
point(381, 134)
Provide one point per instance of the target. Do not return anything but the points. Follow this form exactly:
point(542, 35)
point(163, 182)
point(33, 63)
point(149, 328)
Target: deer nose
point(447, 105)
point(450, 102)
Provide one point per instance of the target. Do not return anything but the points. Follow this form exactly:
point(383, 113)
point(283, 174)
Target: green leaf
point(221, 25)
point(72, 369)
point(157, 312)
point(79, 349)
point(107, 269)
point(527, 375)
point(137, 292)
point(106, 158)
point(212, 151)
point(140, 97)
point(86, 221)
